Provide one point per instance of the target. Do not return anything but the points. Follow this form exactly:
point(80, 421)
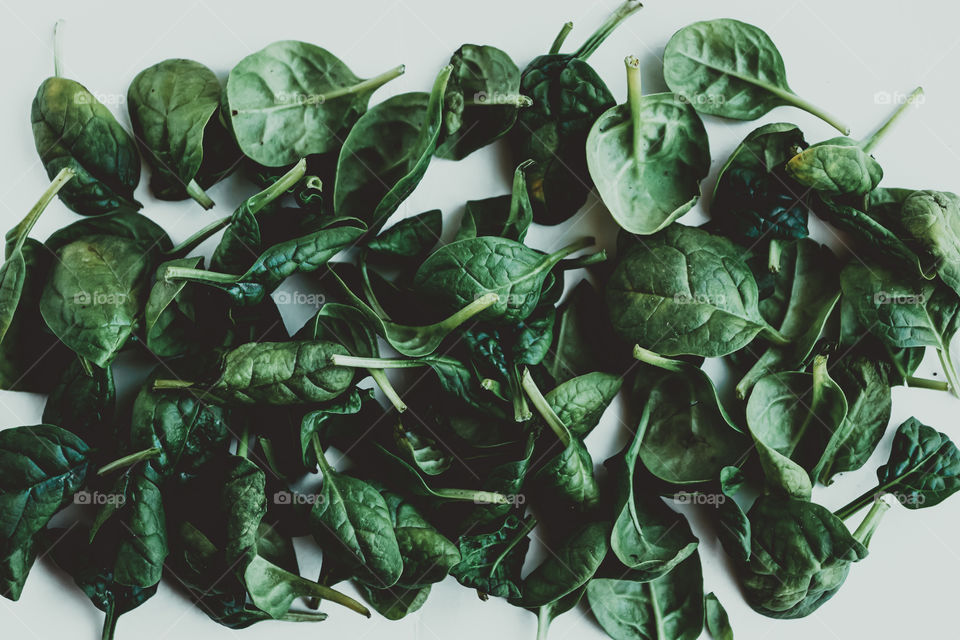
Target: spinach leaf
point(570, 566)
point(72, 129)
point(669, 607)
point(688, 292)
point(923, 470)
point(170, 315)
point(503, 216)
point(416, 341)
point(89, 566)
point(172, 105)
point(491, 562)
point(41, 467)
point(464, 271)
point(412, 237)
point(135, 522)
point(731, 69)
point(428, 556)
point(15, 564)
point(584, 341)
point(734, 526)
point(801, 554)
point(685, 435)
point(244, 505)
point(189, 431)
point(84, 403)
point(842, 166)
point(481, 101)
point(275, 373)
point(717, 621)
point(374, 178)
point(931, 220)
point(353, 516)
point(292, 99)
point(754, 198)
point(796, 420)
point(580, 402)
point(95, 295)
point(903, 311)
point(866, 386)
point(148, 236)
point(328, 417)
point(567, 476)
point(647, 157)
point(396, 602)
point(299, 255)
point(648, 536)
point(273, 589)
point(547, 613)
point(809, 281)
point(568, 96)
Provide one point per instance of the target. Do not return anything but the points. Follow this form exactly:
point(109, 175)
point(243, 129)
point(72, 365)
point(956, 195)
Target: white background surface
point(839, 55)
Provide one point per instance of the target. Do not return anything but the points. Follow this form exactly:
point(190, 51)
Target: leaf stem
point(243, 442)
point(110, 621)
point(196, 192)
point(470, 495)
point(926, 383)
point(622, 12)
point(370, 84)
point(479, 305)
point(544, 409)
point(167, 383)
point(380, 377)
point(875, 139)
point(257, 202)
point(303, 616)
point(561, 38)
point(358, 362)
point(645, 355)
point(859, 503)
point(198, 275)
point(58, 47)
point(321, 459)
point(946, 361)
point(868, 527)
point(634, 97)
point(543, 622)
point(25, 226)
point(585, 261)
point(198, 238)
point(129, 460)
point(774, 254)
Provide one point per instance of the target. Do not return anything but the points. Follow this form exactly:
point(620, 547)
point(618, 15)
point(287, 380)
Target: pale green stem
point(199, 275)
point(657, 360)
point(469, 495)
point(634, 98)
point(380, 377)
point(619, 15)
point(544, 409)
point(243, 443)
point(358, 362)
point(196, 192)
point(287, 181)
point(371, 84)
point(25, 226)
point(163, 383)
point(57, 48)
point(129, 460)
point(868, 527)
point(561, 38)
point(926, 383)
point(774, 254)
point(875, 139)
